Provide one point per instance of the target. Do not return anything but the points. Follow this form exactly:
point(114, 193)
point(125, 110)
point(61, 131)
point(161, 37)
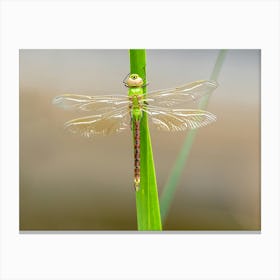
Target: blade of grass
point(175, 174)
point(147, 202)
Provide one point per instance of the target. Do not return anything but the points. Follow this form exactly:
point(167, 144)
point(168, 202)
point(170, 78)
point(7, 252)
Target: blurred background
point(68, 182)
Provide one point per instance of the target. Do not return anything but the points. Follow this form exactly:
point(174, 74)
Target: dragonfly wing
point(99, 104)
point(167, 119)
point(104, 124)
point(191, 92)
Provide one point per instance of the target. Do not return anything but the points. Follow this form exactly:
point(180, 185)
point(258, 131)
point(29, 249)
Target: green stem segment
point(175, 174)
point(147, 202)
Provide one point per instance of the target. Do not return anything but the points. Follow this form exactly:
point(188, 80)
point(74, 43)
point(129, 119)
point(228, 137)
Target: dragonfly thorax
point(134, 91)
point(136, 99)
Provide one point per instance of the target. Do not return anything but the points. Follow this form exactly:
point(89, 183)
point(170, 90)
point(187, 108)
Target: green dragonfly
point(115, 113)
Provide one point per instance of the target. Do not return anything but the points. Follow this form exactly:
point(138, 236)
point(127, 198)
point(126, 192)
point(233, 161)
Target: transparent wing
point(191, 92)
point(167, 119)
point(100, 104)
point(104, 124)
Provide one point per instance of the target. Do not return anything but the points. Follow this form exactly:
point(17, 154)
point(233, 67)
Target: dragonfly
point(112, 114)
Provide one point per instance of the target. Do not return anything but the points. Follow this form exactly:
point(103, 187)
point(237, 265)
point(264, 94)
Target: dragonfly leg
point(125, 78)
point(145, 85)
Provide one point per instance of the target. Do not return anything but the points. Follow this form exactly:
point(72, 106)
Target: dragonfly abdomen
point(137, 155)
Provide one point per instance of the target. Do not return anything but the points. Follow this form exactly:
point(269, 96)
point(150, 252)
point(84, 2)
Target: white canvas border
point(116, 24)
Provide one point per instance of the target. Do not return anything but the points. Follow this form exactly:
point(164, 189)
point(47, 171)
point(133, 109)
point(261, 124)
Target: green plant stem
point(175, 174)
point(147, 202)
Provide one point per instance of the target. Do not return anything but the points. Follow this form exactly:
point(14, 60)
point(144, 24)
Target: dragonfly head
point(134, 80)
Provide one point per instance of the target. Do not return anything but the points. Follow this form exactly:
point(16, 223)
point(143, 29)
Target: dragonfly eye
point(134, 81)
